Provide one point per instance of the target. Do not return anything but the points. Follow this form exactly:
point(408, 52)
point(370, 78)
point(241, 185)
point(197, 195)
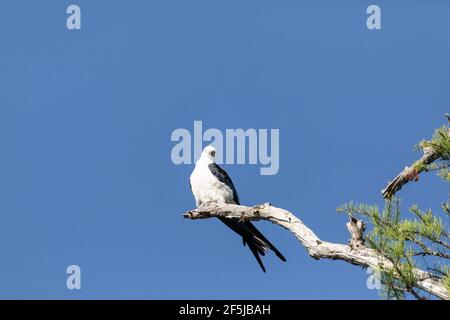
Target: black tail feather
point(261, 236)
point(257, 243)
point(254, 250)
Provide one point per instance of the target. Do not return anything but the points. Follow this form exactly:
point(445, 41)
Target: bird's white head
point(208, 154)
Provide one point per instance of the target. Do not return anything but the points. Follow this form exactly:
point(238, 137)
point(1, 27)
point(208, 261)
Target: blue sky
point(86, 116)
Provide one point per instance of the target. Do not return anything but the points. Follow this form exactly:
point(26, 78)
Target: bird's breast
point(207, 188)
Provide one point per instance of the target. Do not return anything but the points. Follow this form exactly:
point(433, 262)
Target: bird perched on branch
point(210, 183)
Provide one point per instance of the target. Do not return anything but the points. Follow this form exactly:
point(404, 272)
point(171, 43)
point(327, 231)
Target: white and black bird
point(210, 183)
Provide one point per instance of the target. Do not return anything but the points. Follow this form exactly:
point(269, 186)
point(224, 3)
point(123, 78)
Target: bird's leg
point(243, 218)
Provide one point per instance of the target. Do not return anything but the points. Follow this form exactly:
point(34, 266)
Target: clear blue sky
point(86, 116)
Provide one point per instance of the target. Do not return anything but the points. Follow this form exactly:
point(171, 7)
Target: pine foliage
point(411, 239)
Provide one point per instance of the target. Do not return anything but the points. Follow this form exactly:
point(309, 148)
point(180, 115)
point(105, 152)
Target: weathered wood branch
point(410, 173)
point(355, 252)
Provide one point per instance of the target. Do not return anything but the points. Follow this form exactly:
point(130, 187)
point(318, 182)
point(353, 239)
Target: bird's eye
point(213, 153)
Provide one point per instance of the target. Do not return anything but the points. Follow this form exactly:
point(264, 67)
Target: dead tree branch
point(355, 252)
point(410, 173)
point(430, 155)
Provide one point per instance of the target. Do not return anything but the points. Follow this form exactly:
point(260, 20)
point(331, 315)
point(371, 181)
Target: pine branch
point(432, 253)
point(408, 235)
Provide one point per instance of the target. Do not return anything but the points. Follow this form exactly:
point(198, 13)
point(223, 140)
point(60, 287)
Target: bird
point(211, 184)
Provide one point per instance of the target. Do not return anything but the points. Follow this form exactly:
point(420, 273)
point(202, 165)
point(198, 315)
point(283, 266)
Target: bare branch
point(410, 173)
point(355, 252)
point(431, 153)
point(356, 228)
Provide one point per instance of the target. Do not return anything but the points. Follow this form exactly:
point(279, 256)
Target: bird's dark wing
point(223, 177)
